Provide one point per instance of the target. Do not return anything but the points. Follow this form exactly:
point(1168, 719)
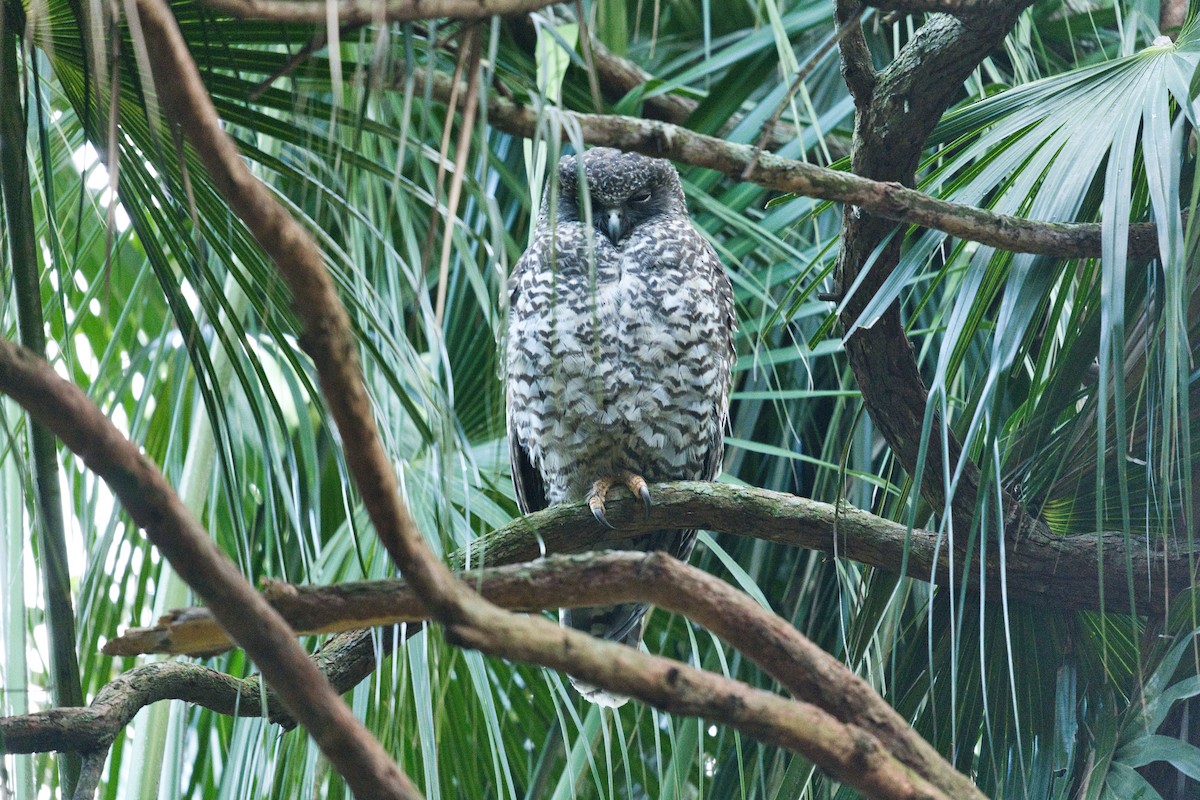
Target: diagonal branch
point(326, 336)
point(887, 199)
point(155, 507)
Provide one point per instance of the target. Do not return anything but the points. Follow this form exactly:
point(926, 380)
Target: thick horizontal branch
point(361, 12)
point(885, 199)
point(1055, 571)
point(1059, 572)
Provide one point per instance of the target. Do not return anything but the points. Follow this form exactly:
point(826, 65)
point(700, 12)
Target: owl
point(619, 355)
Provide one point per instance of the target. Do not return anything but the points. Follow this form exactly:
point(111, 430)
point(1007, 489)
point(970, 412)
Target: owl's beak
point(614, 224)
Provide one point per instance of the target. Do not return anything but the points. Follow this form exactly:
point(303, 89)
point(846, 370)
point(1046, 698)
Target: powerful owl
point(620, 355)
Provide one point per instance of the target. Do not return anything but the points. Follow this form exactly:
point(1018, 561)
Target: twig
point(470, 58)
point(319, 40)
point(585, 45)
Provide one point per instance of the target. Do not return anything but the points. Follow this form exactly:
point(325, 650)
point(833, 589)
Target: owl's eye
point(640, 197)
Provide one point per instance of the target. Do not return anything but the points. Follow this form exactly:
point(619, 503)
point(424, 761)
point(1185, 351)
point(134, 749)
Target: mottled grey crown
point(614, 176)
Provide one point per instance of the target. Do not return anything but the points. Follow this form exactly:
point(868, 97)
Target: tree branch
point(887, 199)
point(326, 335)
point(619, 76)
point(857, 68)
point(357, 12)
point(345, 660)
point(1054, 572)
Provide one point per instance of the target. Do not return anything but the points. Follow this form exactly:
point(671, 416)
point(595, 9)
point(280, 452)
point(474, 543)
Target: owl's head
point(625, 190)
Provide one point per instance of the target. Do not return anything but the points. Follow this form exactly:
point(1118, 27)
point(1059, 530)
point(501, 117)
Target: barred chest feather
point(624, 366)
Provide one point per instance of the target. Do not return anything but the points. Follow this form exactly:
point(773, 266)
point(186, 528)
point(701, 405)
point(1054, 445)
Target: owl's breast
point(621, 369)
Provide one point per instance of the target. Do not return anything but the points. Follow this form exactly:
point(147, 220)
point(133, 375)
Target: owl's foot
point(635, 484)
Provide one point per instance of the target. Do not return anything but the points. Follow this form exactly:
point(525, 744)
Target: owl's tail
point(623, 622)
point(620, 623)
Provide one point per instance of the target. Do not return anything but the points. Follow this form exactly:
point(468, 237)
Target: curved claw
point(596, 504)
point(597, 496)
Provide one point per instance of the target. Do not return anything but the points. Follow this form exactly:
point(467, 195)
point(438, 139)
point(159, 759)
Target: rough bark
point(896, 109)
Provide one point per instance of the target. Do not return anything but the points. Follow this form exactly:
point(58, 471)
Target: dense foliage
point(1070, 381)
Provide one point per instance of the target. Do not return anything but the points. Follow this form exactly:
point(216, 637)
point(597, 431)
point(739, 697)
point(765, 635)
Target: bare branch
point(619, 76)
point(1060, 572)
point(355, 12)
point(800, 666)
point(96, 726)
point(326, 337)
point(846, 752)
point(887, 199)
point(857, 68)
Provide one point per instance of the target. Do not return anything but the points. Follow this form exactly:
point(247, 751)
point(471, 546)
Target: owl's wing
point(531, 490)
point(710, 263)
point(527, 481)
